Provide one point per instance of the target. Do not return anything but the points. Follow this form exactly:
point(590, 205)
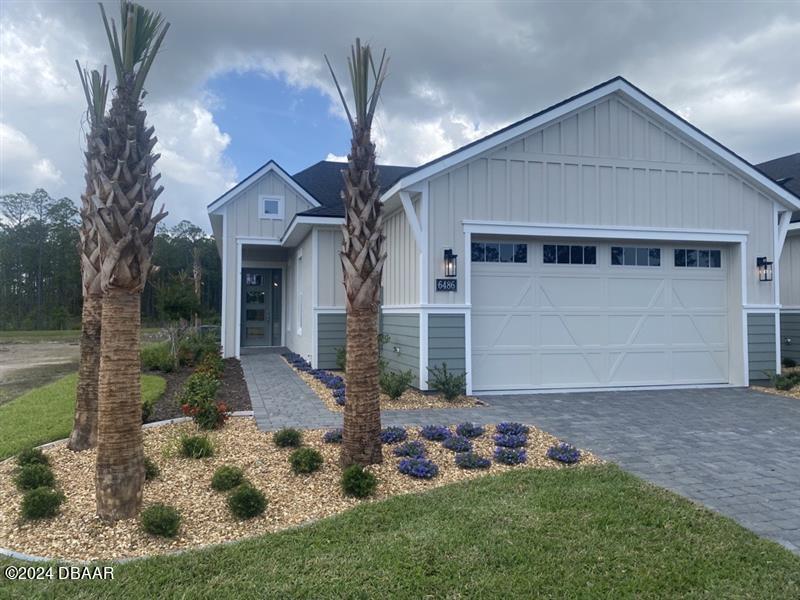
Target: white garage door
point(567, 314)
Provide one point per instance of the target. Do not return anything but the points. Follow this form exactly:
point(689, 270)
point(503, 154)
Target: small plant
point(470, 430)
point(565, 453)
point(305, 461)
point(199, 389)
point(246, 502)
point(226, 478)
point(435, 433)
point(510, 456)
point(209, 415)
point(212, 364)
point(783, 383)
point(510, 440)
point(421, 468)
point(393, 435)
point(288, 437)
point(194, 347)
point(41, 503)
point(34, 476)
point(789, 363)
point(334, 436)
point(512, 428)
point(450, 385)
point(341, 358)
point(357, 482)
point(472, 460)
point(196, 446)
point(32, 456)
point(394, 384)
point(151, 469)
point(412, 449)
point(157, 357)
point(457, 443)
point(161, 520)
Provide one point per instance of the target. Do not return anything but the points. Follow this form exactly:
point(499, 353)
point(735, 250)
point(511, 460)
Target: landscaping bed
point(77, 534)
point(789, 376)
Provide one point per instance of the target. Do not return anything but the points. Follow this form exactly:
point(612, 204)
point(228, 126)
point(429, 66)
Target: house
point(601, 243)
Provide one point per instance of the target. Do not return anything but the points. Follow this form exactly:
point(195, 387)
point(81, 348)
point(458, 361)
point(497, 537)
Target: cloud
point(23, 167)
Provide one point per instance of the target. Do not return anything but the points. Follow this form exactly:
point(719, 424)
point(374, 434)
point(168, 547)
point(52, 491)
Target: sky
point(239, 83)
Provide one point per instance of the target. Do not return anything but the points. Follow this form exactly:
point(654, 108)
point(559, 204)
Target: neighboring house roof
point(785, 171)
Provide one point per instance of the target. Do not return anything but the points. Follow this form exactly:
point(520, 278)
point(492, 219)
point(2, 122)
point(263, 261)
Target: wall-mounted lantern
point(764, 268)
point(450, 263)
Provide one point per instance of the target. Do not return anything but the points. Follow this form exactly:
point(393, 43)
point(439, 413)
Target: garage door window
point(569, 255)
point(493, 252)
point(630, 256)
point(690, 257)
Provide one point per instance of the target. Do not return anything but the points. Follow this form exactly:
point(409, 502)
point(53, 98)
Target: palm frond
point(361, 65)
point(95, 88)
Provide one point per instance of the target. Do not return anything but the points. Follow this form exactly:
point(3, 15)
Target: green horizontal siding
point(790, 330)
point(761, 345)
point(331, 328)
point(401, 351)
point(446, 342)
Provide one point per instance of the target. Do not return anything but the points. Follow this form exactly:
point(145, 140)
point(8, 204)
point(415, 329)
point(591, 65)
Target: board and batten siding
point(761, 345)
point(401, 351)
point(790, 335)
point(331, 281)
point(608, 164)
point(790, 270)
point(331, 335)
point(446, 342)
point(401, 270)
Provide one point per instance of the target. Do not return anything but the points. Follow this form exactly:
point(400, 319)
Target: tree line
point(40, 277)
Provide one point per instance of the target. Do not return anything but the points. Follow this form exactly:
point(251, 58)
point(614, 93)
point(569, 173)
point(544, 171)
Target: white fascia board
point(300, 226)
point(271, 166)
point(794, 226)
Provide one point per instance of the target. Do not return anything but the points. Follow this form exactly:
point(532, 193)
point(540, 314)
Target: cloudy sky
point(238, 83)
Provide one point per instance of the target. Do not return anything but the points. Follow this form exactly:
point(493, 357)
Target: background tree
point(177, 304)
point(126, 227)
point(363, 256)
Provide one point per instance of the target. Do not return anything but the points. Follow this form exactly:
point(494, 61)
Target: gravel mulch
point(77, 534)
point(792, 393)
point(411, 399)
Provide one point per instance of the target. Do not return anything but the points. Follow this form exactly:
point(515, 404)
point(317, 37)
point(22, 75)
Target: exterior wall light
point(764, 268)
point(450, 263)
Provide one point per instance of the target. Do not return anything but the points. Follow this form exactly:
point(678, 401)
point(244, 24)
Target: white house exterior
point(602, 243)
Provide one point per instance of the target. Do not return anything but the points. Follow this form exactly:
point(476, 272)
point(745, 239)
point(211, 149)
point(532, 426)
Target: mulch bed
point(233, 390)
point(77, 534)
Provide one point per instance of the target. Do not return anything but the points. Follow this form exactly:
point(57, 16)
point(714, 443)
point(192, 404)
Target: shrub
point(196, 446)
point(470, 430)
point(393, 435)
point(32, 456)
point(340, 396)
point(199, 389)
point(789, 363)
point(565, 453)
point(246, 502)
point(147, 408)
point(157, 357)
point(450, 385)
point(305, 460)
point(510, 456)
point(783, 383)
point(435, 433)
point(161, 520)
point(211, 415)
point(334, 436)
point(151, 470)
point(472, 460)
point(341, 358)
point(421, 468)
point(194, 347)
point(412, 449)
point(297, 361)
point(212, 364)
point(288, 437)
point(226, 478)
point(510, 440)
point(512, 428)
point(457, 443)
point(30, 477)
point(330, 380)
point(357, 482)
point(41, 503)
point(394, 384)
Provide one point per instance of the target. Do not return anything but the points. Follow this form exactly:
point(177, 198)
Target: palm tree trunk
point(120, 457)
point(84, 431)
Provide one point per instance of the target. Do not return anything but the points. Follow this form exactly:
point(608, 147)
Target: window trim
point(270, 216)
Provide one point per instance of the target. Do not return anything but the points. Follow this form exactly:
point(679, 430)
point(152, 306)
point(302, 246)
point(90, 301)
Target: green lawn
point(581, 533)
point(46, 413)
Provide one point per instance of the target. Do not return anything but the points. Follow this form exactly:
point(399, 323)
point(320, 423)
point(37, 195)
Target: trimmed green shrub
point(783, 383)
point(394, 384)
point(212, 364)
point(196, 446)
point(151, 469)
point(161, 520)
point(450, 385)
point(157, 357)
point(41, 503)
point(30, 477)
point(288, 437)
point(226, 478)
point(32, 456)
point(789, 363)
point(305, 460)
point(246, 502)
point(357, 482)
point(199, 389)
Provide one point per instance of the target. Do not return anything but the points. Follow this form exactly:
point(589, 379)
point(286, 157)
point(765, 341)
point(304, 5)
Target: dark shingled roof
point(785, 171)
point(324, 181)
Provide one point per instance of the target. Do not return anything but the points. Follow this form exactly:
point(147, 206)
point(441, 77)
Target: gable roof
point(617, 84)
point(785, 171)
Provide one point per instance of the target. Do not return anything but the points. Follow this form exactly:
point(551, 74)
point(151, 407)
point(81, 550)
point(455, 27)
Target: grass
point(575, 533)
point(51, 335)
point(46, 413)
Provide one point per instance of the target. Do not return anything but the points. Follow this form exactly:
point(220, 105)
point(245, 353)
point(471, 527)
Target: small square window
point(520, 253)
point(271, 207)
point(549, 253)
point(590, 255)
point(478, 252)
point(562, 256)
point(703, 259)
point(492, 252)
point(576, 255)
point(691, 258)
point(506, 253)
point(616, 255)
point(680, 257)
point(629, 256)
point(716, 259)
point(655, 257)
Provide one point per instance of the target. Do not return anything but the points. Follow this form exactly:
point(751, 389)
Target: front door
point(261, 307)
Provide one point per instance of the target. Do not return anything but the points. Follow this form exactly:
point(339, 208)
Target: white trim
point(424, 210)
point(271, 166)
point(761, 308)
point(314, 296)
point(306, 222)
point(411, 217)
point(468, 344)
point(791, 308)
point(257, 241)
point(585, 99)
point(330, 310)
point(778, 342)
point(263, 214)
point(224, 304)
point(423, 350)
point(633, 388)
point(431, 308)
point(784, 225)
point(794, 226)
point(238, 333)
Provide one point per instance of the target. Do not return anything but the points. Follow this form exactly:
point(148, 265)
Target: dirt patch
point(185, 483)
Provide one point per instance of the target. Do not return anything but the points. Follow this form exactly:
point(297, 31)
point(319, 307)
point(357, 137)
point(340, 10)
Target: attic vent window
point(271, 207)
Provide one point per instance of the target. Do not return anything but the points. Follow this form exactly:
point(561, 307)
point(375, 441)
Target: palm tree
point(84, 430)
point(362, 255)
point(123, 216)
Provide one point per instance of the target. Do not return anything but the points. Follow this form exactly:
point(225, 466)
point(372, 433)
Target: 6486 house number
point(447, 285)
